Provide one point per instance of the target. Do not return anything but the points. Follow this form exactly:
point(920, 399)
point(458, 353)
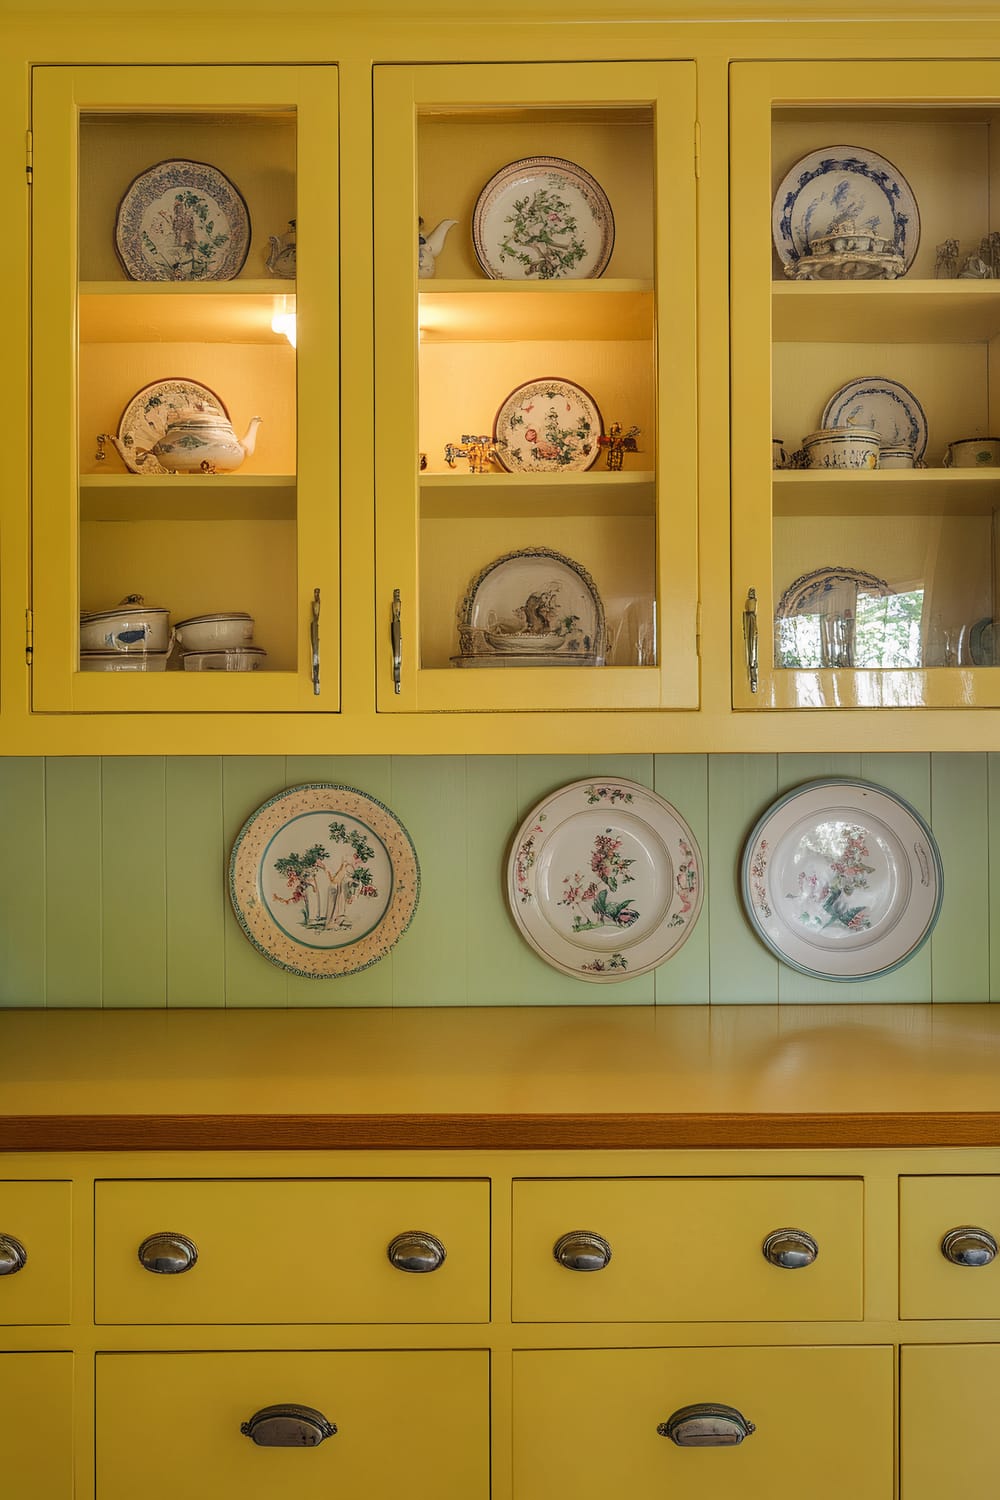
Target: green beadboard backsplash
point(113, 885)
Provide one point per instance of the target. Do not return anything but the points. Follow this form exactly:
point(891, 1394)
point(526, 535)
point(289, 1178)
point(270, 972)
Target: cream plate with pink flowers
point(604, 879)
point(842, 879)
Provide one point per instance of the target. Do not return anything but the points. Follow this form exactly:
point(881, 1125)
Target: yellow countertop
point(744, 1076)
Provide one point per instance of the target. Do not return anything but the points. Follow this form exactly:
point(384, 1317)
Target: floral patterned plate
point(182, 221)
point(842, 879)
point(323, 879)
point(534, 608)
point(604, 879)
point(149, 413)
point(547, 426)
point(543, 219)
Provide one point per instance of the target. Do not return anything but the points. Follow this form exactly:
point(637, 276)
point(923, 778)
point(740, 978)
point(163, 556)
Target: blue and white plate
point(182, 220)
point(893, 411)
point(837, 184)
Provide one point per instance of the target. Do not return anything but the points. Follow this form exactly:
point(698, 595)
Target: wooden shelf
point(508, 311)
point(457, 496)
point(178, 497)
point(886, 492)
point(234, 312)
point(871, 312)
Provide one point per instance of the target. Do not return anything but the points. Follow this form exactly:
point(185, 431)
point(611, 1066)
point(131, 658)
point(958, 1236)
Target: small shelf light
point(283, 317)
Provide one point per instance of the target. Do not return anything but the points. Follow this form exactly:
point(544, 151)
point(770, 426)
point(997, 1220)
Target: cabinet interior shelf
point(907, 312)
point(508, 310)
point(177, 497)
point(454, 496)
point(237, 312)
point(886, 492)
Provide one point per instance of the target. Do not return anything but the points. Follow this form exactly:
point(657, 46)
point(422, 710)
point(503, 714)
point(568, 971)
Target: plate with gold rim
point(324, 880)
point(842, 879)
point(604, 879)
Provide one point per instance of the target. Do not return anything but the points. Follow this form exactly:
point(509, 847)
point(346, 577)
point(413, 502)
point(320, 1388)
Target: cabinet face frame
point(760, 303)
point(666, 93)
point(61, 97)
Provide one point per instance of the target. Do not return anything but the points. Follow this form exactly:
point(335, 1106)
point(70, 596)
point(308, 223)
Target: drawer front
point(931, 1285)
point(823, 1420)
point(36, 1433)
point(412, 1424)
point(947, 1432)
point(293, 1251)
point(35, 1219)
point(688, 1250)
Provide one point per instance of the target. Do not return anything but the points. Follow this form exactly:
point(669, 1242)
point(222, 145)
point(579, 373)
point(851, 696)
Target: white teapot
point(198, 440)
point(430, 245)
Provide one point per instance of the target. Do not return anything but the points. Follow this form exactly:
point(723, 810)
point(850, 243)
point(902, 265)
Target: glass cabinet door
point(535, 387)
point(866, 398)
point(184, 541)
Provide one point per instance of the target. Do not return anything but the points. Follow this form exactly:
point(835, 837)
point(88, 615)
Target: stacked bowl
point(218, 643)
point(132, 637)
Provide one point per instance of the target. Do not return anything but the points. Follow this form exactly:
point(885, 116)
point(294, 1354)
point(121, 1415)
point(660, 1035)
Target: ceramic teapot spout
point(128, 455)
point(436, 237)
point(249, 439)
point(430, 245)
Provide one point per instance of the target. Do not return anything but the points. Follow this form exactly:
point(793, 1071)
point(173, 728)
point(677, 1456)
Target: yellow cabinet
point(947, 1444)
point(36, 1250)
point(588, 1421)
point(948, 1233)
point(36, 1425)
point(575, 581)
point(861, 586)
point(157, 193)
point(687, 1251)
point(412, 1423)
point(293, 1252)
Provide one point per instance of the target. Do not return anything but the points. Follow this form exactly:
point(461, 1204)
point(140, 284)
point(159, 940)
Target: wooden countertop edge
point(581, 1132)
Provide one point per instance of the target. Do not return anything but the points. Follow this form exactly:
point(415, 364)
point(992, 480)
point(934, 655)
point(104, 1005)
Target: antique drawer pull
point(168, 1253)
point(706, 1424)
point(582, 1250)
point(288, 1425)
point(790, 1249)
point(12, 1255)
point(416, 1250)
point(969, 1246)
point(396, 641)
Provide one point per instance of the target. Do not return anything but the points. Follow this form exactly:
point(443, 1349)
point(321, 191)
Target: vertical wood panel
point(197, 872)
point(960, 955)
point(683, 781)
point(22, 882)
point(133, 877)
point(73, 912)
point(431, 959)
point(993, 791)
point(247, 782)
point(500, 963)
point(740, 788)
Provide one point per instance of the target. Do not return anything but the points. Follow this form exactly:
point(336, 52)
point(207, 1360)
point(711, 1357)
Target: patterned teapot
point(198, 440)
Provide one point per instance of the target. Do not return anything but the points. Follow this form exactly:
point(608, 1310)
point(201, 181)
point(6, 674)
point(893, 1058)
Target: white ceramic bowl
point(842, 448)
point(214, 632)
point(242, 659)
point(128, 628)
point(123, 661)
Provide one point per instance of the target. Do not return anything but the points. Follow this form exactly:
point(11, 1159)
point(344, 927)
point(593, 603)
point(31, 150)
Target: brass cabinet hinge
point(697, 148)
point(29, 636)
point(28, 161)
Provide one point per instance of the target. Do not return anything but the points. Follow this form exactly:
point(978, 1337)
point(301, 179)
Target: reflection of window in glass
point(843, 617)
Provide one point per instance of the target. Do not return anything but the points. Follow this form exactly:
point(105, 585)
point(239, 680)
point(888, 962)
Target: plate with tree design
point(547, 426)
point(323, 879)
point(604, 879)
point(842, 879)
point(543, 219)
point(182, 220)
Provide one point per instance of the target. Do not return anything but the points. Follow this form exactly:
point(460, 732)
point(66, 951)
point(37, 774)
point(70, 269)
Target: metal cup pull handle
point(416, 1250)
point(168, 1253)
point(969, 1246)
point(288, 1425)
point(706, 1424)
point(790, 1249)
point(12, 1255)
point(582, 1250)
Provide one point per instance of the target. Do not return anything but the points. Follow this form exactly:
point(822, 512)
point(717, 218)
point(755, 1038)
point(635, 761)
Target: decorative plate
point(182, 221)
point(149, 413)
point(841, 185)
point(842, 879)
point(543, 219)
point(323, 879)
point(547, 426)
point(893, 411)
point(532, 608)
point(604, 879)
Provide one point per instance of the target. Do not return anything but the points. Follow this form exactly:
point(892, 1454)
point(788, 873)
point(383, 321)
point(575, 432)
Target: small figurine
point(974, 268)
point(946, 259)
point(480, 451)
point(430, 245)
point(618, 443)
point(989, 251)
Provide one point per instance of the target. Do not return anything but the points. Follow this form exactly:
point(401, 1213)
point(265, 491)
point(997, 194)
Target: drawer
point(411, 1423)
point(688, 1250)
point(35, 1221)
point(584, 1418)
point(293, 1251)
point(931, 1285)
point(947, 1438)
point(36, 1426)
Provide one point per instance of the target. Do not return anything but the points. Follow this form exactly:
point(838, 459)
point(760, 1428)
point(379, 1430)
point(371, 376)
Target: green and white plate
point(543, 219)
point(182, 220)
